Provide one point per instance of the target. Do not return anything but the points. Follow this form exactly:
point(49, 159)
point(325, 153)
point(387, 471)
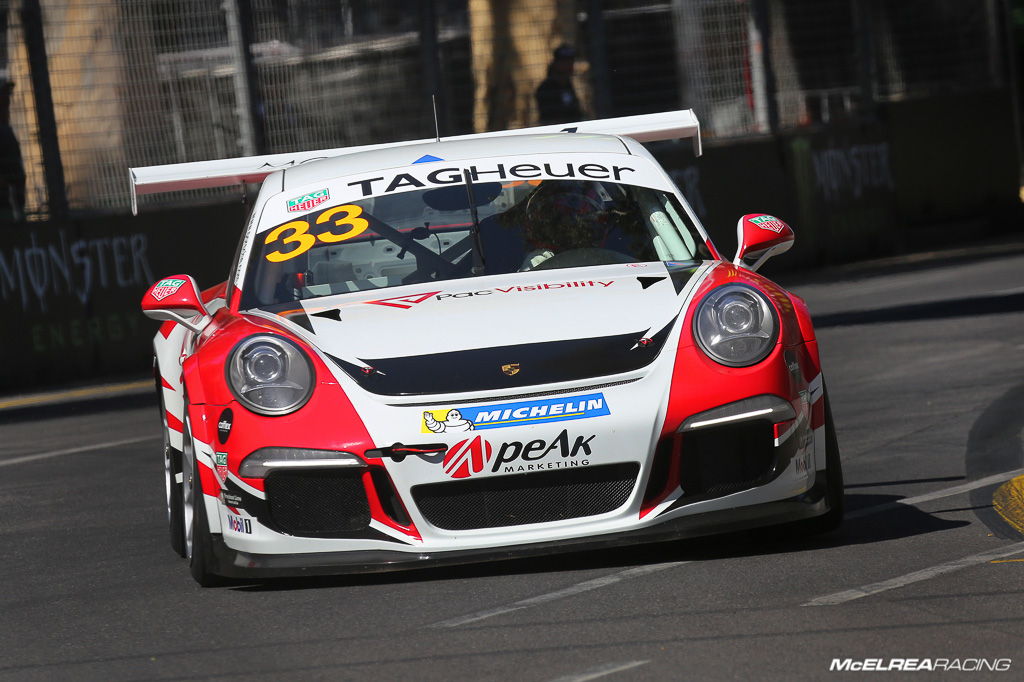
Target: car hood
point(499, 331)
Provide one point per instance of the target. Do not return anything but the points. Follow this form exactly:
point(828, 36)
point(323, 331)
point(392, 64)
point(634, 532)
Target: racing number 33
point(304, 241)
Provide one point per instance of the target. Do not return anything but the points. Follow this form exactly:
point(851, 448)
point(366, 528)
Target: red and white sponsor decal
point(467, 457)
point(767, 222)
point(308, 201)
point(221, 462)
point(165, 288)
point(404, 302)
point(471, 456)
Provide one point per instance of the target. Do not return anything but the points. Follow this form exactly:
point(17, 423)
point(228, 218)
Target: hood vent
point(485, 369)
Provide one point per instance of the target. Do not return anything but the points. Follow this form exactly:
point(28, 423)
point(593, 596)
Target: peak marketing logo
point(467, 457)
point(475, 455)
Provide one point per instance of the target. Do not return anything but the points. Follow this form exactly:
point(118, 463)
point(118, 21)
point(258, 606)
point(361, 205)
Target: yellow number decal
point(300, 234)
point(304, 241)
point(352, 212)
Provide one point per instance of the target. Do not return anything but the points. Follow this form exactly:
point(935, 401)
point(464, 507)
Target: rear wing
point(668, 125)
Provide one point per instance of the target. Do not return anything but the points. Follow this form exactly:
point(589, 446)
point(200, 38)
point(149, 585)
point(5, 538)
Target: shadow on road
point(114, 403)
point(957, 307)
point(905, 481)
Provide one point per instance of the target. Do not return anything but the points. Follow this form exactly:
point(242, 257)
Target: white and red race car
point(490, 346)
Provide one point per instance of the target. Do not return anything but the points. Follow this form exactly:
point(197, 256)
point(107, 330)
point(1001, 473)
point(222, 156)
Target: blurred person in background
point(12, 169)
point(556, 99)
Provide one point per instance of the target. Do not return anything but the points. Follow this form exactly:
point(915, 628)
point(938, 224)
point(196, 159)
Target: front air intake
point(522, 499)
point(327, 503)
point(723, 460)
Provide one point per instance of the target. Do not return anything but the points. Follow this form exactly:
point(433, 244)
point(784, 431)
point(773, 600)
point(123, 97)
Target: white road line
point(916, 576)
point(936, 495)
point(74, 451)
point(601, 671)
point(579, 588)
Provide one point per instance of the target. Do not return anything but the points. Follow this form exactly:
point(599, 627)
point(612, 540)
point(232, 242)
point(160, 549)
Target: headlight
point(270, 375)
point(735, 325)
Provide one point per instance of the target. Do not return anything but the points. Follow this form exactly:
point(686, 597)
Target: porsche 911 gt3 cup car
point(489, 346)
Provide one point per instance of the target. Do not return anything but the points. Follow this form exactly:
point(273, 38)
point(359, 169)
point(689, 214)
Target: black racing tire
point(175, 520)
point(172, 472)
point(198, 541)
point(833, 518)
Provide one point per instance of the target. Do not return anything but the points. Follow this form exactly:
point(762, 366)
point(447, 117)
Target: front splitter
point(236, 564)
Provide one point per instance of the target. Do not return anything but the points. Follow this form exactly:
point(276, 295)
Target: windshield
point(466, 230)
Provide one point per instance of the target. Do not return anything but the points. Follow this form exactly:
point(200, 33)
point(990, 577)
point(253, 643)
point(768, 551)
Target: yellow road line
point(89, 392)
point(1009, 502)
point(1005, 561)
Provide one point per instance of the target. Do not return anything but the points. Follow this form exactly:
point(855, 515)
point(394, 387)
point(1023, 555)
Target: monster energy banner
point(70, 292)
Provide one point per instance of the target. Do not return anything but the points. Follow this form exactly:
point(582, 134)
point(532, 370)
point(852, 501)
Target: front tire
point(833, 480)
point(172, 478)
point(175, 515)
point(197, 539)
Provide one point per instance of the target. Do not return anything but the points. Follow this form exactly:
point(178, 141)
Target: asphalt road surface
point(925, 368)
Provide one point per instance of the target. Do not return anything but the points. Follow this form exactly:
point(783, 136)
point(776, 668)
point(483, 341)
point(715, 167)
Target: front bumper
point(239, 564)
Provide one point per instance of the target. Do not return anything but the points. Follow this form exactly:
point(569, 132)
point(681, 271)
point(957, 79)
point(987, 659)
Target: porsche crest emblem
point(511, 368)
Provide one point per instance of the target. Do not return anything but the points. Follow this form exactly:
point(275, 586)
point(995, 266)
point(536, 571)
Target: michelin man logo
point(450, 422)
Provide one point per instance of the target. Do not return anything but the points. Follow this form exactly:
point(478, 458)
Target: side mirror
point(760, 237)
point(176, 298)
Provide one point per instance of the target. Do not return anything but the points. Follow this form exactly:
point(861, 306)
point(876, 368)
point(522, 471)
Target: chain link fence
point(151, 82)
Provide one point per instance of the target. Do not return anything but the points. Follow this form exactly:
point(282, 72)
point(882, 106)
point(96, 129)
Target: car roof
point(454, 150)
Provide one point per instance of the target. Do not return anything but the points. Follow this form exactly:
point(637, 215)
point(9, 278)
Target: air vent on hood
point(530, 364)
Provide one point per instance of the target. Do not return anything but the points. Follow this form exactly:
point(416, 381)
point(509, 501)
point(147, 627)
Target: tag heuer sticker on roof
point(308, 201)
point(165, 288)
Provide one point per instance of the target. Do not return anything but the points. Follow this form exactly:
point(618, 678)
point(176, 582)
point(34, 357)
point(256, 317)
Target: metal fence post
point(762, 22)
point(1013, 71)
point(53, 167)
point(598, 57)
point(430, 58)
point(248, 103)
point(867, 64)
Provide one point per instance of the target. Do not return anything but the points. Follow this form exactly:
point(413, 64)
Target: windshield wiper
point(479, 265)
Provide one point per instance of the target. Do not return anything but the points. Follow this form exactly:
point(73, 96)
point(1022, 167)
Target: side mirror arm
point(193, 322)
point(761, 257)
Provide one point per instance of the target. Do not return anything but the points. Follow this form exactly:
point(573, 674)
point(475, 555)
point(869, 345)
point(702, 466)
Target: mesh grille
point(318, 503)
point(721, 461)
point(526, 498)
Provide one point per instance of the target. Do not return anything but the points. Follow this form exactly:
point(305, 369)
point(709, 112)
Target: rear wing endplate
point(668, 125)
